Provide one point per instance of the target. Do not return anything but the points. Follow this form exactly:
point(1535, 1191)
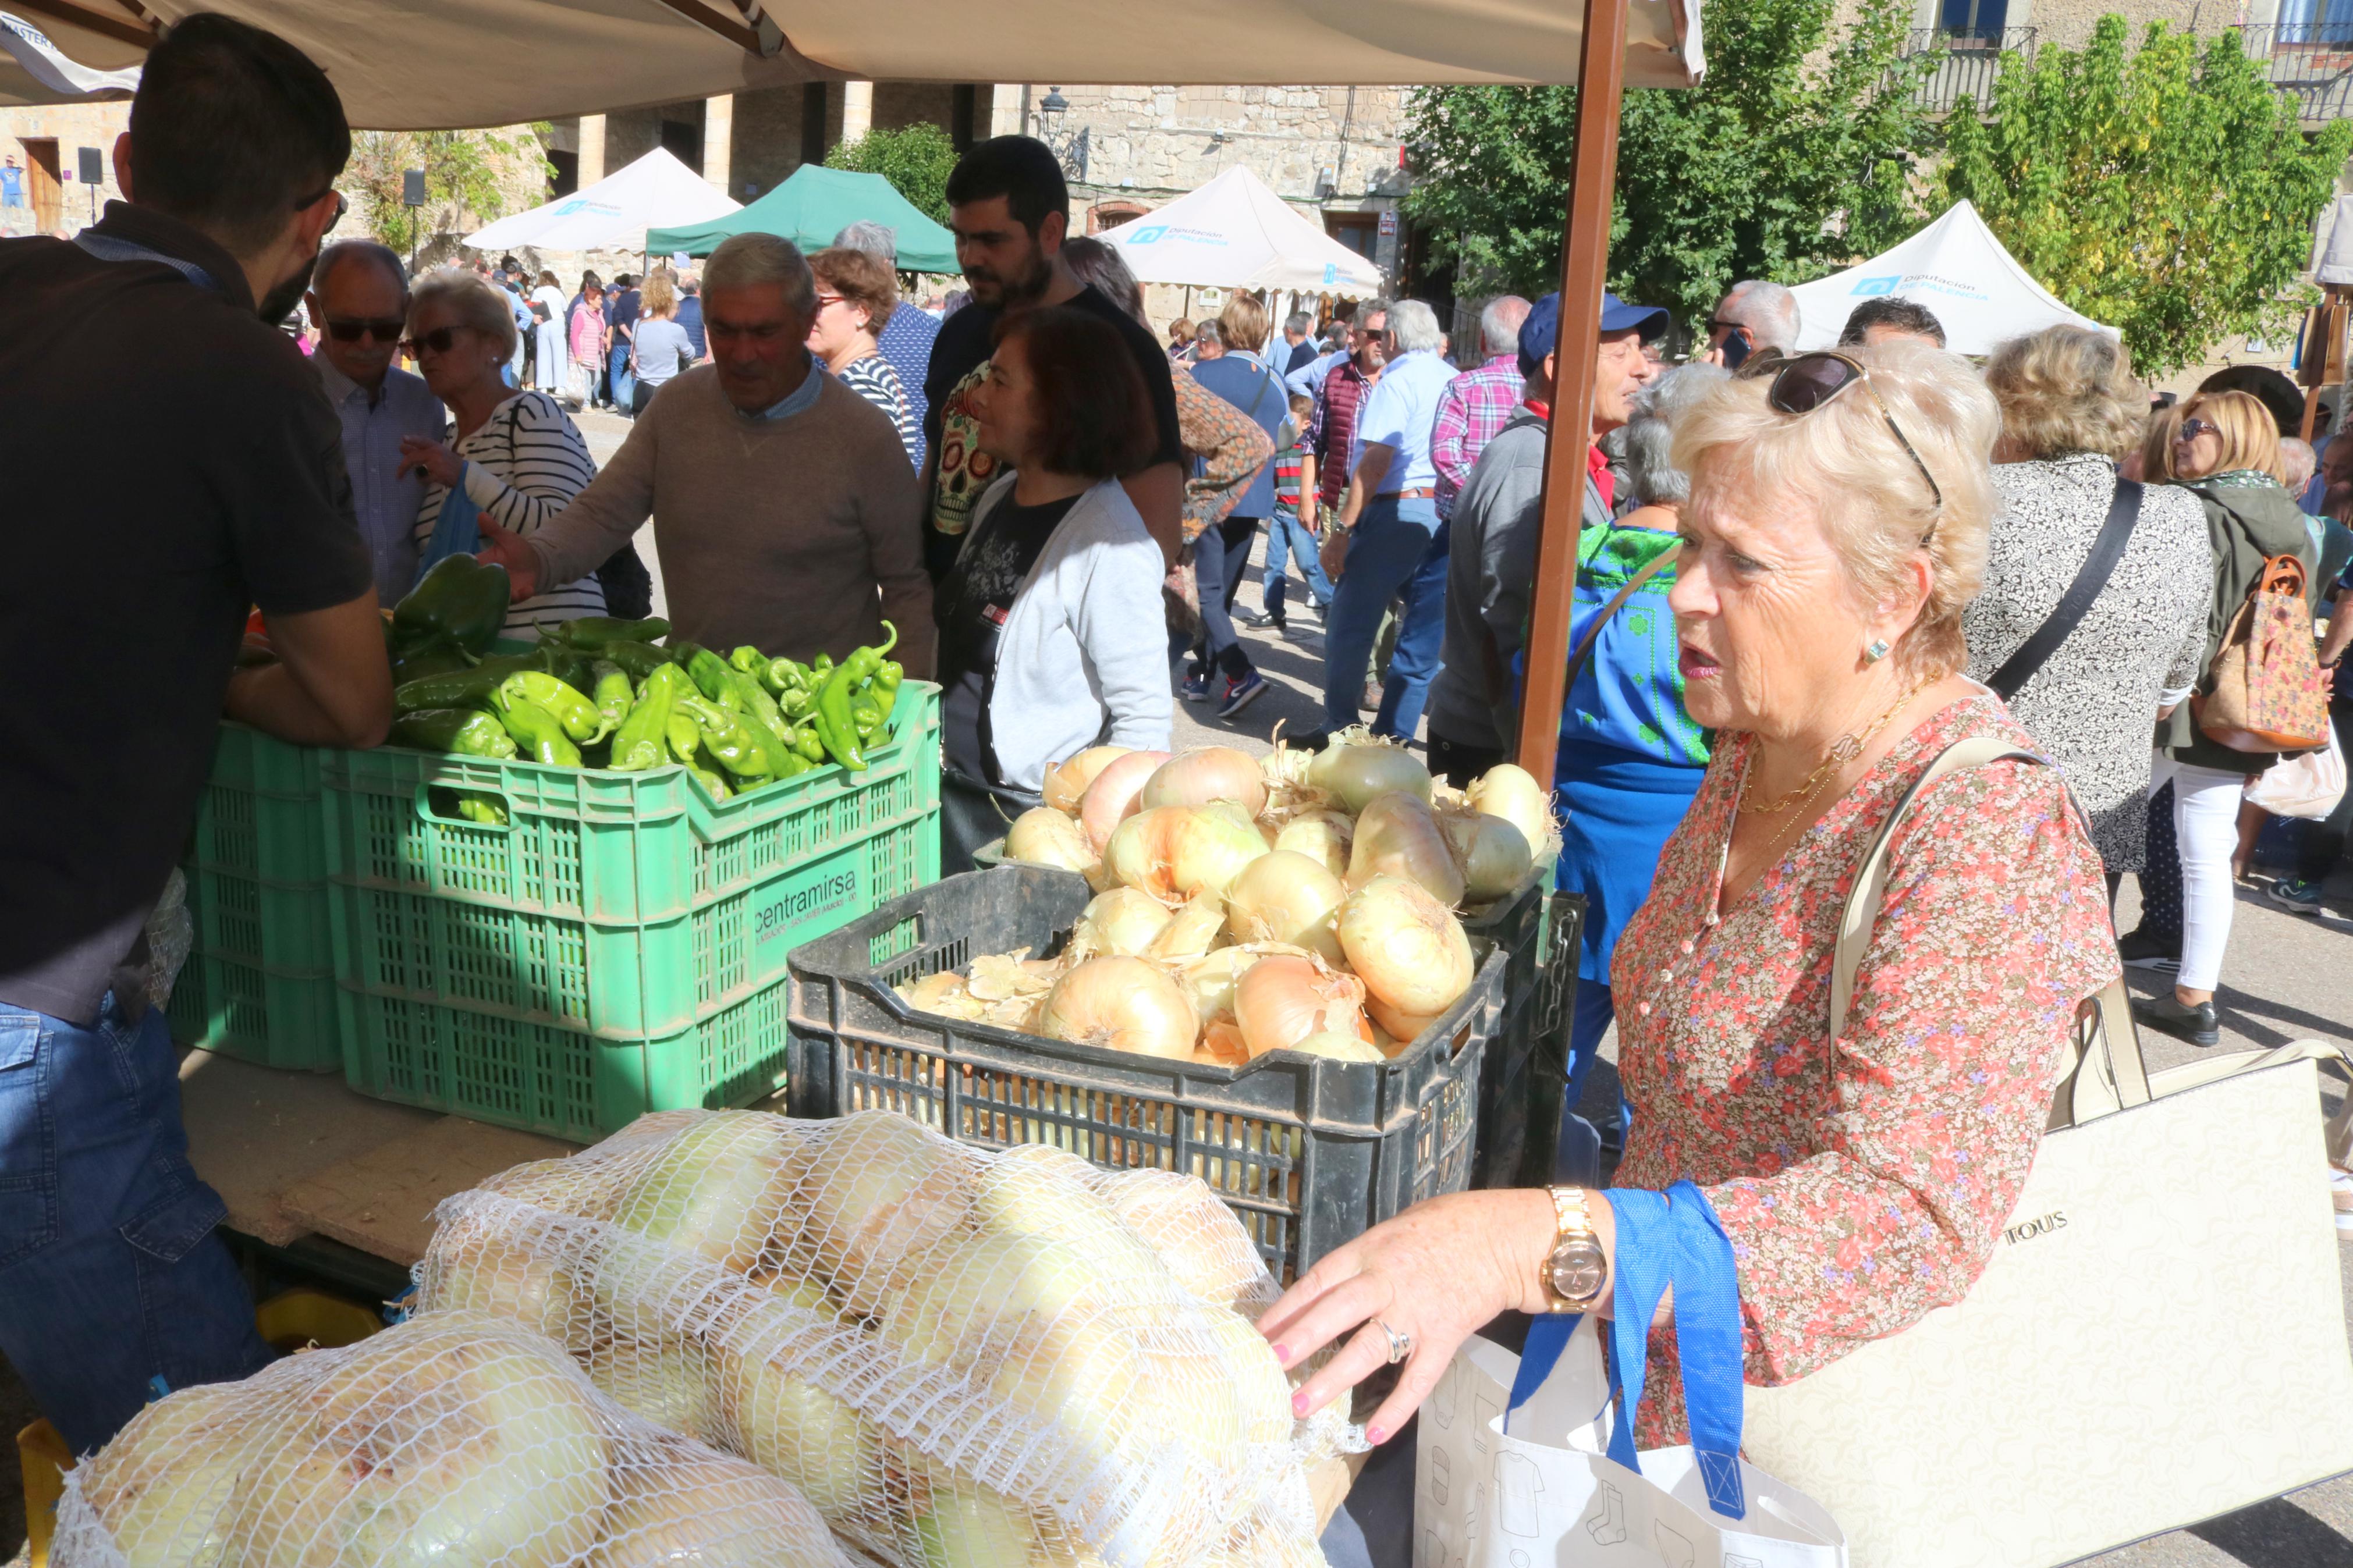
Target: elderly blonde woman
point(2070, 409)
point(518, 458)
point(1835, 530)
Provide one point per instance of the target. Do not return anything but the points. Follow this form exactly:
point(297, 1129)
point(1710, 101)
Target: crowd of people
point(1801, 577)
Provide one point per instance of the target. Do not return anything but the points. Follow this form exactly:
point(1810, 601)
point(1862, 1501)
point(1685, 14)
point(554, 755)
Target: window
point(1357, 231)
point(567, 178)
point(1106, 215)
point(1973, 20)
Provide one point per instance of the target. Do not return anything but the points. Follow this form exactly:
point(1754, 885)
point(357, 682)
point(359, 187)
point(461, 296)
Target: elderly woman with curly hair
point(1835, 533)
point(2070, 409)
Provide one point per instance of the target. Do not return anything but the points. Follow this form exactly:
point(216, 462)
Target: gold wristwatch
point(1577, 1270)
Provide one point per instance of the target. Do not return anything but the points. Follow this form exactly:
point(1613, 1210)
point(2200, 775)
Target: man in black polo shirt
point(1010, 207)
point(171, 463)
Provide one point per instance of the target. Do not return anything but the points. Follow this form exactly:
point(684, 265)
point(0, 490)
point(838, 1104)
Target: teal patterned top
point(1630, 693)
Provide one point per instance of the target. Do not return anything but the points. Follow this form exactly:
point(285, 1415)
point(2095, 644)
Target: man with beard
point(172, 464)
point(1009, 207)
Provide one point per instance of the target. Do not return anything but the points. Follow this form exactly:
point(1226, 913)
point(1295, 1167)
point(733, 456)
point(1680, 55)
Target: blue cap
point(1540, 333)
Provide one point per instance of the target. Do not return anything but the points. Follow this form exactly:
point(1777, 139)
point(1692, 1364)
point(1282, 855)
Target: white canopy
point(1956, 268)
point(655, 192)
point(1234, 232)
point(33, 71)
point(434, 64)
point(2332, 246)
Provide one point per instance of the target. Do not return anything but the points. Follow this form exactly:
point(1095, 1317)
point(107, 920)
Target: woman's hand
point(1438, 1272)
point(434, 459)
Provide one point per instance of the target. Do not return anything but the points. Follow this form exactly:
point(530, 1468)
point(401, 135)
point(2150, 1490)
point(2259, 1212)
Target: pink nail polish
point(1282, 1355)
point(1375, 1436)
point(1298, 1403)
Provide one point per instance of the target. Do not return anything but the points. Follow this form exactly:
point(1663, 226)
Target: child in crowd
point(1290, 531)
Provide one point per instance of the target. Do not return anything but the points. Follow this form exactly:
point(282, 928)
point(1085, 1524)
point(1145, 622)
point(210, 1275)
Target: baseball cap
point(1540, 333)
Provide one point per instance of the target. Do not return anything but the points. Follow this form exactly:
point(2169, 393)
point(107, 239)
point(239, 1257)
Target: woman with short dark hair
point(857, 295)
point(1051, 630)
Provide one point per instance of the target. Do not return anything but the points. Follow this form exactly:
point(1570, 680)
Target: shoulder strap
point(1584, 648)
point(2109, 1048)
point(2123, 511)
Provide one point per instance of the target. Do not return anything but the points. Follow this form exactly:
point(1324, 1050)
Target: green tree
point(1796, 153)
point(2170, 193)
point(916, 159)
point(466, 174)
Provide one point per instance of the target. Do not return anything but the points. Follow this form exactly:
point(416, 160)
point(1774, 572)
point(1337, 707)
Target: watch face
point(1578, 1269)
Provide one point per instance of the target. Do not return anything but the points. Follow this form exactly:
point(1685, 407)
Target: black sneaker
point(2146, 950)
point(2168, 1016)
point(1255, 617)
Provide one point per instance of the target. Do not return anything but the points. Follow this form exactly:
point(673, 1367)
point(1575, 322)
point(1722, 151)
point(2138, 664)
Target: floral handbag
point(2264, 692)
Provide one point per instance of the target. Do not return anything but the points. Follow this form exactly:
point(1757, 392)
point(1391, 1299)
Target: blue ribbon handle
point(1708, 1341)
point(1643, 1266)
point(1547, 1337)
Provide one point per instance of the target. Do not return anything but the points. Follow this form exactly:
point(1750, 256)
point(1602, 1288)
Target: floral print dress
point(1862, 1181)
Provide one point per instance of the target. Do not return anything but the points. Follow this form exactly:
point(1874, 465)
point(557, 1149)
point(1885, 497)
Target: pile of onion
point(1300, 901)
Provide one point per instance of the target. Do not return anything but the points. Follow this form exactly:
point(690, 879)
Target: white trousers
point(2206, 821)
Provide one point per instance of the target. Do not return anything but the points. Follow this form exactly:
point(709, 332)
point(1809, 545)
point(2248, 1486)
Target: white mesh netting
point(455, 1440)
point(959, 1357)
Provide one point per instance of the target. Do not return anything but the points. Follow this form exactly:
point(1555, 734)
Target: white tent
point(32, 70)
point(2332, 246)
point(1234, 232)
point(655, 192)
point(433, 64)
point(1956, 268)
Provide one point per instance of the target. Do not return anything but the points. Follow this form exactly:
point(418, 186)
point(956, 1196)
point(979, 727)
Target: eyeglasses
point(825, 300)
point(1805, 382)
point(352, 332)
point(343, 205)
point(2193, 428)
point(440, 339)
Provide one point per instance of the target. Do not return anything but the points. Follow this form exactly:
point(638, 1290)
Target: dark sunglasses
point(2193, 428)
point(439, 340)
point(1803, 384)
point(343, 205)
point(352, 332)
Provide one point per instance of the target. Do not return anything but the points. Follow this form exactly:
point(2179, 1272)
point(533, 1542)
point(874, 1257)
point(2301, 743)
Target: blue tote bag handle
point(456, 532)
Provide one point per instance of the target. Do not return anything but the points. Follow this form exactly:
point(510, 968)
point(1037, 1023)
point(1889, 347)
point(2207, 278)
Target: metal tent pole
point(1584, 269)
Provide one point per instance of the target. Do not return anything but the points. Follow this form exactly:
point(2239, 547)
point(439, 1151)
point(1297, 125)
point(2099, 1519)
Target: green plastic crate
point(619, 946)
point(257, 983)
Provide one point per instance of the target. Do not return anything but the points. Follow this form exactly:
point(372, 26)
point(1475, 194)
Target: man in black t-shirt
point(172, 464)
point(1009, 207)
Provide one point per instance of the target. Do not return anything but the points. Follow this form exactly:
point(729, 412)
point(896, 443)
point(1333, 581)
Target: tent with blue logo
point(658, 191)
point(1236, 233)
point(1956, 268)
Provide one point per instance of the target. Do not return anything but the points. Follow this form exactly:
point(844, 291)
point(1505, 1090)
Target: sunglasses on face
point(343, 205)
point(352, 332)
point(440, 339)
point(2193, 428)
point(1805, 382)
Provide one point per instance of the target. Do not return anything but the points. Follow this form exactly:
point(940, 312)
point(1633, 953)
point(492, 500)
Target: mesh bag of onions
point(457, 1439)
point(958, 1357)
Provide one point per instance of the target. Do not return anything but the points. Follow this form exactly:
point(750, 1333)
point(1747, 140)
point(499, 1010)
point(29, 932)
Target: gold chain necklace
point(1843, 752)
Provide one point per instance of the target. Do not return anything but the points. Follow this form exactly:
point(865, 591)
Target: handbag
point(2158, 1337)
point(1515, 1465)
point(457, 528)
point(2308, 785)
point(2107, 549)
point(2264, 692)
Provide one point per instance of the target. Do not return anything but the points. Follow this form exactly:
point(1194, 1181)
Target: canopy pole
point(1584, 270)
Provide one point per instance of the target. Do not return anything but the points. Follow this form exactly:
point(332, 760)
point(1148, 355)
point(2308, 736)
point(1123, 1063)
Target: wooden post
point(1584, 270)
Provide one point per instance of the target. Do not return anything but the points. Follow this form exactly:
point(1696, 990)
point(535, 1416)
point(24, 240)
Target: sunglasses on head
point(439, 340)
point(352, 332)
point(1804, 383)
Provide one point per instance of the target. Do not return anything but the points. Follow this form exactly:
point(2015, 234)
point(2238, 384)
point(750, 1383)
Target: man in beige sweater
point(784, 508)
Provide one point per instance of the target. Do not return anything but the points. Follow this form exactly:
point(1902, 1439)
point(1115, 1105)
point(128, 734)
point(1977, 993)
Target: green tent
point(811, 207)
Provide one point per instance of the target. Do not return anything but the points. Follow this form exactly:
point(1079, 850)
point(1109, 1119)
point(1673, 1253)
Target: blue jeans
point(625, 384)
point(1421, 633)
point(1287, 541)
point(111, 1276)
point(1385, 548)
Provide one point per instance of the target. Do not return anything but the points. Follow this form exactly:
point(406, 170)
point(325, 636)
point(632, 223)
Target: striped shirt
point(874, 379)
point(1290, 467)
point(523, 467)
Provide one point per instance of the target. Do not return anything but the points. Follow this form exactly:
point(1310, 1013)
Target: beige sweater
point(796, 535)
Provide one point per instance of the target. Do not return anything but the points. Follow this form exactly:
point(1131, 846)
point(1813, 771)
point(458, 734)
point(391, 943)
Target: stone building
point(47, 147)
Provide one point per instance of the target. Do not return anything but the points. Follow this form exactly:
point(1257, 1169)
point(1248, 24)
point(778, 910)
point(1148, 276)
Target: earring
point(1874, 653)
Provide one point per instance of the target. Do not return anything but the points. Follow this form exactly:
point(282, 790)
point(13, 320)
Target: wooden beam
point(108, 23)
point(733, 30)
point(1584, 273)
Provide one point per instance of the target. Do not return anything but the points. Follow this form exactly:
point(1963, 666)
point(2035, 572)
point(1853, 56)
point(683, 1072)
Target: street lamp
point(1069, 148)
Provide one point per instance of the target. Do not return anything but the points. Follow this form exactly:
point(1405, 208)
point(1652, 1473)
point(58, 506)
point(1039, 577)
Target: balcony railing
point(1971, 60)
point(2310, 61)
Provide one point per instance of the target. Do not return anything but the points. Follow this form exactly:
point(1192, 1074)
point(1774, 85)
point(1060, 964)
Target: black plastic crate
point(1308, 1153)
point(1536, 931)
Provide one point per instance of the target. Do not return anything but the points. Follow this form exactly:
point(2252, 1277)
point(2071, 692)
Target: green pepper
point(539, 735)
point(884, 689)
point(475, 688)
point(750, 660)
point(613, 693)
point(595, 634)
point(440, 658)
point(579, 716)
point(808, 743)
point(639, 659)
point(704, 767)
point(822, 663)
point(794, 704)
point(486, 809)
point(835, 726)
point(461, 602)
point(643, 740)
point(734, 739)
point(868, 719)
point(730, 688)
point(460, 732)
point(783, 677)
